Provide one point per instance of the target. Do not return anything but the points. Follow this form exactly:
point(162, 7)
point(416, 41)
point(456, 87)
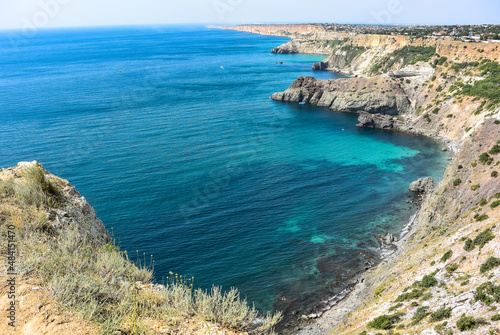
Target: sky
point(26, 14)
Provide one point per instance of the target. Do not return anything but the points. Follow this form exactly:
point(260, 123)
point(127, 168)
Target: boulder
point(380, 121)
point(386, 239)
point(422, 185)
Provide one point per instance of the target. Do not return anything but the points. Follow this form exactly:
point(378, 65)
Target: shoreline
point(358, 294)
point(330, 319)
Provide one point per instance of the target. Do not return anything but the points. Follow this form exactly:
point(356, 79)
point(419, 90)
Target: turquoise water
point(170, 134)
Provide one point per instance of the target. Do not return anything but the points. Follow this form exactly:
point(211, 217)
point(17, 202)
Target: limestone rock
point(379, 121)
point(386, 239)
point(422, 185)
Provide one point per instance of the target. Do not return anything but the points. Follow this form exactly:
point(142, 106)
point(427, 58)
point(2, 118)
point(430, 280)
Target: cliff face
point(374, 95)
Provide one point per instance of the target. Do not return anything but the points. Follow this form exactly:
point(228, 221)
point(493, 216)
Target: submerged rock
point(422, 185)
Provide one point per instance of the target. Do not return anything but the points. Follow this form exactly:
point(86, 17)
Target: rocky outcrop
point(375, 95)
point(386, 240)
point(381, 121)
point(422, 185)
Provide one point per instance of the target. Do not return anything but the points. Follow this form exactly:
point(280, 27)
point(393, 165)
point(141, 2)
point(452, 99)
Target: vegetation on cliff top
point(404, 56)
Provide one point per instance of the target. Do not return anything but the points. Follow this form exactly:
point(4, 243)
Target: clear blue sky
point(61, 13)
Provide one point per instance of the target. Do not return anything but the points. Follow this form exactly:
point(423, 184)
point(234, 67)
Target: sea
point(170, 133)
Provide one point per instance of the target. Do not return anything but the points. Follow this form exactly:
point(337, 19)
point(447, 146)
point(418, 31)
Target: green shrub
point(419, 315)
point(487, 88)
point(435, 110)
point(483, 202)
point(441, 60)
point(396, 307)
point(473, 164)
point(490, 263)
point(495, 150)
point(426, 296)
point(378, 291)
point(475, 187)
point(482, 217)
point(486, 159)
point(495, 317)
point(415, 294)
point(469, 245)
point(452, 267)
point(494, 174)
point(488, 293)
point(441, 328)
point(440, 314)
point(457, 182)
point(447, 255)
point(385, 321)
point(466, 323)
point(428, 281)
point(483, 238)
point(495, 204)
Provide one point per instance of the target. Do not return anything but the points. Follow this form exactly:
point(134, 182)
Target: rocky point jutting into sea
point(445, 273)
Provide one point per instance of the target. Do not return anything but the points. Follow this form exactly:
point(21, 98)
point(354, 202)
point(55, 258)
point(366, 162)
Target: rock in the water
point(386, 239)
point(422, 185)
point(379, 121)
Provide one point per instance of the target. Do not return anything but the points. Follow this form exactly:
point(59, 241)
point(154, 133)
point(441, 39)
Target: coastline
point(362, 290)
point(348, 315)
point(355, 296)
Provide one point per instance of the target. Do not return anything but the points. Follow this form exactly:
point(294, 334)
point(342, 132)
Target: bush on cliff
point(446, 256)
point(404, 56)
point(487, 88)
point(468, 322)
point(490, 263)
point(440, 314)
point(486, 159)
point(385, 321)
point(488, 293)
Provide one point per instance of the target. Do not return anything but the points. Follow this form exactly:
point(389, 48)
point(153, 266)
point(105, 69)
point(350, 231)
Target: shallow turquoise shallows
point(170, 134)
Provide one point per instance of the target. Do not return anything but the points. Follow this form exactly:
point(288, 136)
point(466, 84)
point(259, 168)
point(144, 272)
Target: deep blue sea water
point(170, 134)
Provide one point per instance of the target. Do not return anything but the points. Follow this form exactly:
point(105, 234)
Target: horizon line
point(235, 24)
